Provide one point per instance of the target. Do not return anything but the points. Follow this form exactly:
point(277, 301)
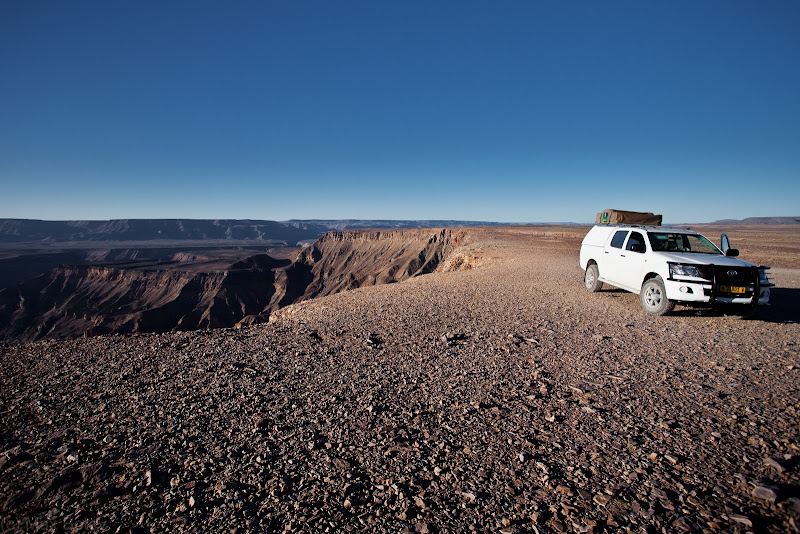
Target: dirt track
point(501, 398)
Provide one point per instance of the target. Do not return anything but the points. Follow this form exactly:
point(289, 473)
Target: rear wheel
point(592, 278)
point(654, 297)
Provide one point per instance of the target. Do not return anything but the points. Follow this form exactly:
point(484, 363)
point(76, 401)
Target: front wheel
point(654, 297)
point(591, 278)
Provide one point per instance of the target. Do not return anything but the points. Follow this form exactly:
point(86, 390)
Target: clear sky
point(512, 111)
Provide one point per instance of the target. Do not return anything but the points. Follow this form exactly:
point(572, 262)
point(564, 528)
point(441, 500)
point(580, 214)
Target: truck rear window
point(619, 238)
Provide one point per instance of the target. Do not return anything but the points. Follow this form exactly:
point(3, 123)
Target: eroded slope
point(71, 301)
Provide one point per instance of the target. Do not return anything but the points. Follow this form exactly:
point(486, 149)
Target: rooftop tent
point(627, 217)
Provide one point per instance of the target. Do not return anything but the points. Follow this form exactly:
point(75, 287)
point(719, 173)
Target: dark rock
point(766, 492)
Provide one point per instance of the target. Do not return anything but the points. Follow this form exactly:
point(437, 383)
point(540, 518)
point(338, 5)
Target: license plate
point(732, 289)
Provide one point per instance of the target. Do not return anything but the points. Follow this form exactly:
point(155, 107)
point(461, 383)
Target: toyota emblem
point(732, 273)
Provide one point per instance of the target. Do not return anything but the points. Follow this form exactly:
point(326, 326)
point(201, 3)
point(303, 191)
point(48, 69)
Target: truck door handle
point(622, 255)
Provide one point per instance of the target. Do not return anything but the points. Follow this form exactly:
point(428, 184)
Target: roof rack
point(634, 225)
point(653, 226)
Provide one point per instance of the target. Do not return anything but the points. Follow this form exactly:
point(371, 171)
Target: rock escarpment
point(346, 260)
point(71, 301)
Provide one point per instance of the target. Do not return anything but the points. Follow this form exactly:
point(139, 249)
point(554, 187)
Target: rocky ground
point(501, 398)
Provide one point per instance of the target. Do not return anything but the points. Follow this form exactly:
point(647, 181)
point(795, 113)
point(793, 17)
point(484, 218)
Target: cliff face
point(71, 301)
point(346, 260)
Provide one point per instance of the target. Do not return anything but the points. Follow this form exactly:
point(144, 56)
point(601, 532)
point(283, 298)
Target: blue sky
point(499, 111)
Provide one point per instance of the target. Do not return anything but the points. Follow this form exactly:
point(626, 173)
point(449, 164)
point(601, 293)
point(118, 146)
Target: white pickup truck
point(665, 266)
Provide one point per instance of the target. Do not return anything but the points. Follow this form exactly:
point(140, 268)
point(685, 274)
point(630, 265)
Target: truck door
point(631, 265)
point(613, 256)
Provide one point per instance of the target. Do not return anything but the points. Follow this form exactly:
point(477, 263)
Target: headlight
point(676, 269)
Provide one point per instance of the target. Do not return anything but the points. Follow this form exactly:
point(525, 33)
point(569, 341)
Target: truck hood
point(702, 259)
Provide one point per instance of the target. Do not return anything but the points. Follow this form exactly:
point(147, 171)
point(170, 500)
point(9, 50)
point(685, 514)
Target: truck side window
point(619, 238)
point(635, 242)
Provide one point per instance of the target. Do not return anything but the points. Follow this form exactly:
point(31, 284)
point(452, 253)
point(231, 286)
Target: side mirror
point(637, 247)
point(732, 252)
point(725, 244)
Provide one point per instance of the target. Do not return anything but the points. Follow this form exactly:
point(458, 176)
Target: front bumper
point(754, 280)
point(703, 293)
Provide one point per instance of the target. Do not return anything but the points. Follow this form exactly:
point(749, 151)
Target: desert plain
point(493, 395)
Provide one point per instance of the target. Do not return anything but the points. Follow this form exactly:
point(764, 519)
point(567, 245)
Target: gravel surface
point(500, 396)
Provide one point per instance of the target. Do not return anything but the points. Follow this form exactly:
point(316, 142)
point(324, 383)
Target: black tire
point(654, 297)
point(592, 278)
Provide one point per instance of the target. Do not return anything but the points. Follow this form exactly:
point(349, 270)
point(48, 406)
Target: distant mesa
point(290, 232)
point(758, 221)
point(295, 232)
point(50, 232)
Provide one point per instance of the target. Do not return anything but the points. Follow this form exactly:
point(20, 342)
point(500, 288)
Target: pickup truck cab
point(668, 266)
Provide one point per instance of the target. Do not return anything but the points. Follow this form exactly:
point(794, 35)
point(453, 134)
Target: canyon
point(190, 291)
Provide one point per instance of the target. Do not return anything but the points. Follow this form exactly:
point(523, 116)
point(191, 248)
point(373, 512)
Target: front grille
point(746, 277)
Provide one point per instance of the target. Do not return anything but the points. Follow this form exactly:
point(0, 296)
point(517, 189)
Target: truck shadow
point(783, 308)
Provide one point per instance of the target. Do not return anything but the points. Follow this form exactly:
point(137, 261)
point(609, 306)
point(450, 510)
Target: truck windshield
point(675, 242)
